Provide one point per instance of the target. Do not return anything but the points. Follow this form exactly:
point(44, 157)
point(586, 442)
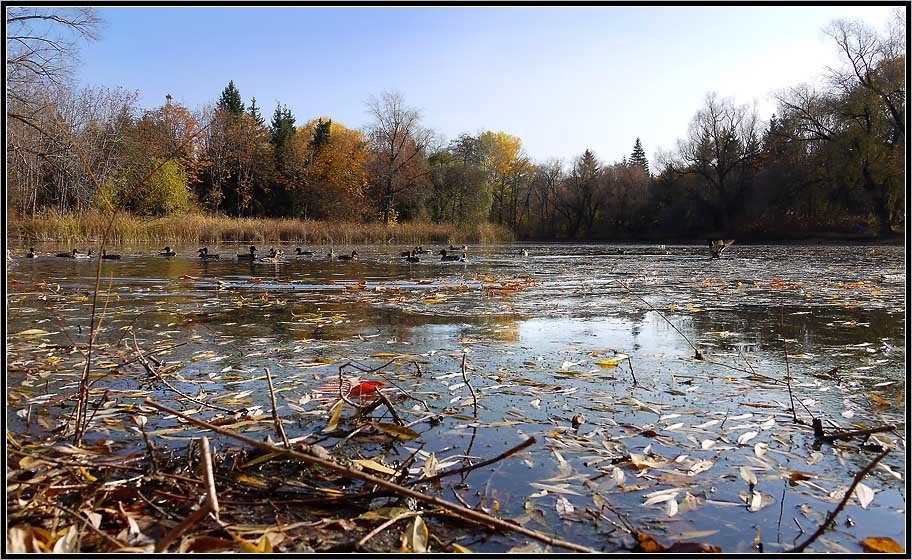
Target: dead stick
point(788, 373)
point(697, 354)
point(855, 433)
point(280, 429)
point(386, 524)
point(211, 496)
point(469, 514)
point(465, 378)
point(832, 515)
point(396, 418)
point(472, 467)
point(630, 363)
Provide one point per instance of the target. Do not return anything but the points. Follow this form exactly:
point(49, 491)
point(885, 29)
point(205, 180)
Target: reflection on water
point(534, 329)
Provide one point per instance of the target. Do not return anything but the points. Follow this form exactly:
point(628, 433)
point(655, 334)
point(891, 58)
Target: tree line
point(830, 160)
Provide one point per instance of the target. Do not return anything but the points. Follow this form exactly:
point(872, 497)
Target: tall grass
point(203, 228)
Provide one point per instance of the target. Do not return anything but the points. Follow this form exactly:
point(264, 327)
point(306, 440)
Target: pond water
point(533, 330)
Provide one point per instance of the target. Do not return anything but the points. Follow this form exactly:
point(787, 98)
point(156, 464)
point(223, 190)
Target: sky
point(563, 79)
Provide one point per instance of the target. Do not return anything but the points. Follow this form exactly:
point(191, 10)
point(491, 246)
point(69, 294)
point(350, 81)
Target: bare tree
point(721, 147)
point(398, 142)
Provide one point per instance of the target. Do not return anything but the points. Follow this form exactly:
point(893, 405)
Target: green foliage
point(282, 128)
point(254, 113)
point(231, 100)
point(638, 157)
point(163, 192)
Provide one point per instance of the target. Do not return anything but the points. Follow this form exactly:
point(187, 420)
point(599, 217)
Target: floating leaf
point(865, 495)
point(334, 418)
point(374, 466)
point(746, 437)
point(748, 475)
point(401, 432)
point(882, 545)
point(32, 332)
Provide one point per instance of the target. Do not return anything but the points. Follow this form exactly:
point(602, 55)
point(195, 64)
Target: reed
point(61, 227)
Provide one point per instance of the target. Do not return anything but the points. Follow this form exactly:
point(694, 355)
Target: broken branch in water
point(832, 515)
point(697, 354)
point(474, 466)
point(280, 429)
point(465, 378)
point(464, 513)
point(210, 505)
point(819, 433)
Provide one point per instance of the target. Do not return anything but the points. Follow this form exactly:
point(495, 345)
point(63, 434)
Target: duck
point(249, 255)
point(352, 257)
point(75, 254)
point(31, 254)
point(299, 253)
point(524, 253)
point(107, 257)
point(413, 258)
point(445, 257)
point(718, 246)
point(331, 254)
point(407, 253)
point(421, 250)
point(167, 252)
point(275, 256)
point(463, 248)
point(205, 255)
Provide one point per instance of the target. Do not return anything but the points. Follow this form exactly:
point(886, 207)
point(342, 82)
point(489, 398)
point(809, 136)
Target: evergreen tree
point(231, 100)
point(638, 157)
point(322, 131)
point(254, 112)
point(282, 126)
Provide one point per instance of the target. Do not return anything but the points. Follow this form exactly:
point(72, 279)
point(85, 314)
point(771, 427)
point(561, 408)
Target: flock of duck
point(716, 248)
point(274, 255)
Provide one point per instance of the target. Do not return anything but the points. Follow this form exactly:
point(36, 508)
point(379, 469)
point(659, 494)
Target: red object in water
point(365, 388)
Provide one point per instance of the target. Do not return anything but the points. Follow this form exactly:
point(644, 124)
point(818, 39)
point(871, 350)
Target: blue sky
point(563, 79)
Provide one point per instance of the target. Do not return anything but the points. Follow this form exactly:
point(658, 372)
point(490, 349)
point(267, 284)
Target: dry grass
point(203, 228)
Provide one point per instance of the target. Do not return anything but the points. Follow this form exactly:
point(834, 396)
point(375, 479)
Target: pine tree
point(254, 112)
point(282, 126)
point(638, 157)
point(322, 130)
point(231, 99)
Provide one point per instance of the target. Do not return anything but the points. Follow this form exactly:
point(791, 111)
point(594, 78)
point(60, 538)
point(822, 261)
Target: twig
point(280, 429)
point(151, 370)
point(465, 378)
point(788, 373)
point(468, 514)
point(832, 515)
point(386, 524)
point(852, 433)
point(474, 466)
point(633, 375)
point(87, 523)
point(697, 354)
point(211, 496)
point(385, 400)
point(179, 529)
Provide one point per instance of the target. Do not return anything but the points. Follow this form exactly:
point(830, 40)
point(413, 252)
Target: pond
point(544, 337)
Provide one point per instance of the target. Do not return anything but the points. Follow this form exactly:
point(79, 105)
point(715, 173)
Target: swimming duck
point(413, 258)
point(107, 257)
point(249, 255)
point(351, 257)
point(331, 254)
point(31, 254)
point(718, 246)
point(421, 250)
point(445, 257)
point(167, 252)
point(525, 253)
point(205, 255)
point(298, 252)
point(75, 254)
point(463, 248)
point(407, 253)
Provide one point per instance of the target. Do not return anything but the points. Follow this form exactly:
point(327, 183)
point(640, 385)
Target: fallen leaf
point(882, 545)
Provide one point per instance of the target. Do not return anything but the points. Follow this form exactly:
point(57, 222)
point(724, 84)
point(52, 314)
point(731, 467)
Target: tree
point(398, 143)
point(254, 112)
point(638, 157)
point(721, 149)
point(509, 174)
point(231, 100)
point(582, 195)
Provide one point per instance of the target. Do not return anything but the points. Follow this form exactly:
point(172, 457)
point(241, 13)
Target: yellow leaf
point(401, 432)
point(609, 363)
point(374, 466)
point(252, 481)
point(418, 535)
point(88, 476)
point(32, 332)
point(384, 355)
point(334, 418)
point(881, 544)
point(460, 548)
